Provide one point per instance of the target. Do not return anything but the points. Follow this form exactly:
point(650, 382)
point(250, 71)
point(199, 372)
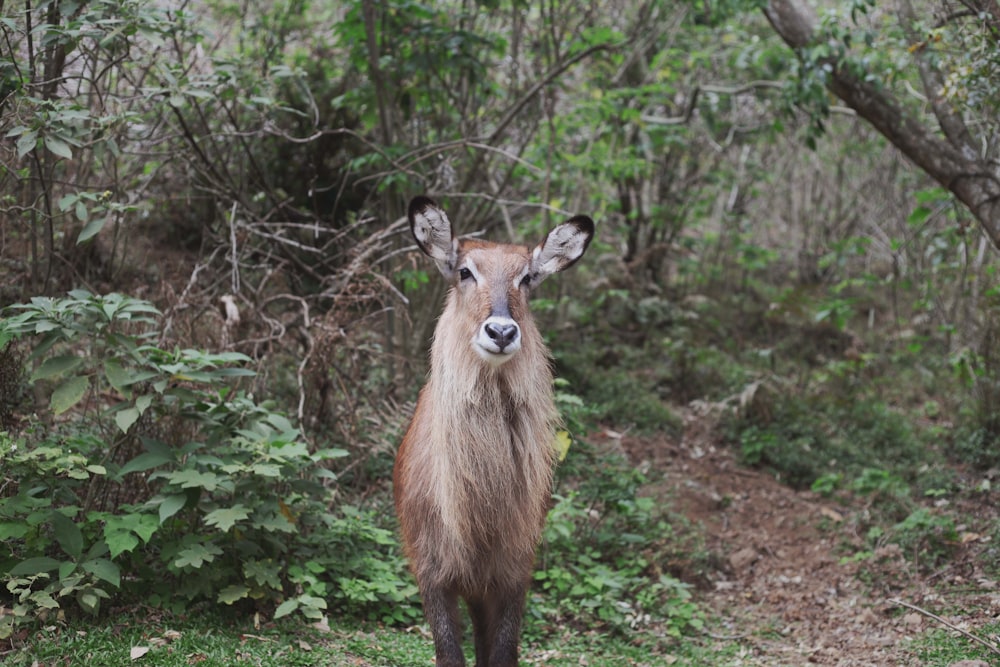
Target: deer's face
point(492, 281)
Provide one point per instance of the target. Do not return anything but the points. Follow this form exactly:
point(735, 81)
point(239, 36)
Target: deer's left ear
point(562, 247)
point(431, 229)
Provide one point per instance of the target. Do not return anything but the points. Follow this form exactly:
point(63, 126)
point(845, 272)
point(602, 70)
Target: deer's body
point(474, 471)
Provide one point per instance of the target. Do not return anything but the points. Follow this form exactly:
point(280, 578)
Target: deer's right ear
point(431, 229)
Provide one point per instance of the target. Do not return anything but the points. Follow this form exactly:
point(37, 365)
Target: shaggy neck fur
point(492, 444)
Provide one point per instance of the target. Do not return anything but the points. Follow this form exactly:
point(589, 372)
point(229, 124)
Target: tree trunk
point(949, 158)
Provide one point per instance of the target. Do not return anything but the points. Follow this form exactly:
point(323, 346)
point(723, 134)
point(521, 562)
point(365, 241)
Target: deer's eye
point(464, 274)
point(526, 280)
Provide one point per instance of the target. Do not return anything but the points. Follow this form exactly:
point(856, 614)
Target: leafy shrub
point(151, 471)
point(603, 549)
point(805, 437)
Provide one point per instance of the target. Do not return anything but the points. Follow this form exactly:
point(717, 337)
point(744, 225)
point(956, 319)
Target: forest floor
point(786, 587)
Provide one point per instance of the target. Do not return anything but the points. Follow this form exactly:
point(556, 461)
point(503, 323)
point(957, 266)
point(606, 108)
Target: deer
point(473, 475)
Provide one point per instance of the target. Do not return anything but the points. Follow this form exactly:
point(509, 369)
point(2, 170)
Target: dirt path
point(783, 588)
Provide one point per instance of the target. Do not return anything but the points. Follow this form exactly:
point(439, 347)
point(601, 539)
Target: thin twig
point(991, 646)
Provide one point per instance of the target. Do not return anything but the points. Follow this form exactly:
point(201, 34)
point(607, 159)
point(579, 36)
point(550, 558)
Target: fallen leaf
point(138, 651)
point(831, 514)
point(304, 645)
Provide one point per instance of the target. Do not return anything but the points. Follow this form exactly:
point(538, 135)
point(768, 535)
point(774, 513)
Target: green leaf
point(56, 365)
point(145, 525)
point(117, 376)
point(192, 479)
point(197, 555)
point(143, 402)
point(69, 394)
point(65, 569)
point(58, 146)
point(10, 529)
point(82, 214)
point(67, 534)
point(103, 569)
point(44, 599)
point(171, 505)
point(120, 541)
point(227, 517)
point(91, 229)
point(89, 600)
point(286, 608)
point(26, 143)
point(125, 418)
point(231, 594)
point(145, 461)
point(34, 566)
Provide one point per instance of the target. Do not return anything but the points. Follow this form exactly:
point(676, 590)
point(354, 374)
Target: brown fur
point(474, 471)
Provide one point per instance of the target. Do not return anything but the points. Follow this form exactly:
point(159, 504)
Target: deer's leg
point(441, 611)
point(507, 610)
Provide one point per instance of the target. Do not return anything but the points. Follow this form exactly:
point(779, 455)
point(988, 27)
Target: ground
point(786, 585)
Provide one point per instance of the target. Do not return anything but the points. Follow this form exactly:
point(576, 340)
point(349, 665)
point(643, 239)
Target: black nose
point(501, 334)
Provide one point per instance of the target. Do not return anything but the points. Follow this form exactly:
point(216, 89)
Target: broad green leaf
point(145, 461)
point(69, 394)
point(125, 418)
point(65, 569)
point(144, 525)
point(286, 608)
point(266, 469)
point(231, 594)
point(119, 541)
point(81, 212)
point(89, 600)
point(192, 479)
point(34, 566)
point(58, 147)
point(143, 402)
point(197, 555)
point(171, 505)
point(91, 229)
point(117, 376)
point(227, 517)
point(56, 365)
point(67, 534)
point(44, 600)
point(10, 529)
point(26, 143)
point(103, 569)
point(275, 523)
point(96, 469)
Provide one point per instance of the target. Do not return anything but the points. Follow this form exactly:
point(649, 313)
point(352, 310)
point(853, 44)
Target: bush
point(151, 471)
point(604, 546)
point(804, 438)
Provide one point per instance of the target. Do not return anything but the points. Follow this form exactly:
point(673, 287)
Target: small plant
point(159, 475)
point(599, 547)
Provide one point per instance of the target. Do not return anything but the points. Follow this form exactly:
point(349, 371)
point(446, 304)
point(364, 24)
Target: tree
point(955, 143)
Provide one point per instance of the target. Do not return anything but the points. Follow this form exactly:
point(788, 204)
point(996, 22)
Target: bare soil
point(785, 585)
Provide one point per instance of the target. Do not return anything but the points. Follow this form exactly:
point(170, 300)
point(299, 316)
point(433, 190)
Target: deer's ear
point(561, 248)
point(431, 229)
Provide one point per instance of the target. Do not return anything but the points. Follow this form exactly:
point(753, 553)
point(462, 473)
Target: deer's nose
point(503, 334)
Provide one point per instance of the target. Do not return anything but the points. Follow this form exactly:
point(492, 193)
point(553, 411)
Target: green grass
point(940, 647)
point(214, 640)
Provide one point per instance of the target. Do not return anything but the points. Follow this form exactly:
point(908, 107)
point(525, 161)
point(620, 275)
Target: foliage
point(213, 639)
point(159, 471)
point(602, 551)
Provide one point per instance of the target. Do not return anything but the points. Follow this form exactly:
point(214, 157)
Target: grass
point(940, 647)
point(212, 639)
